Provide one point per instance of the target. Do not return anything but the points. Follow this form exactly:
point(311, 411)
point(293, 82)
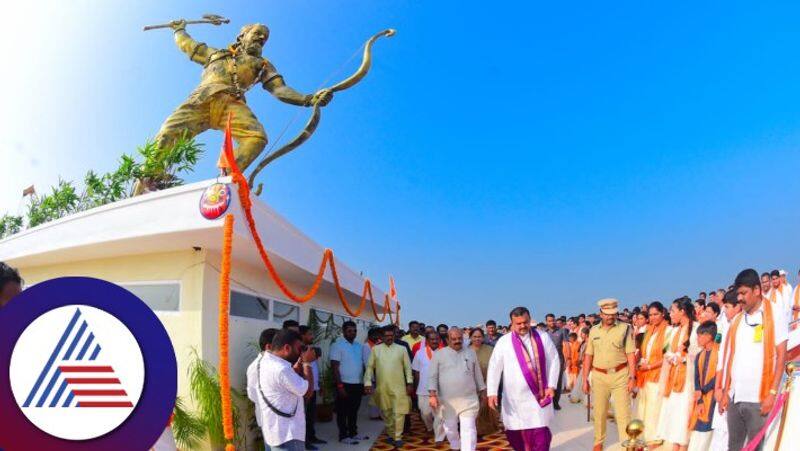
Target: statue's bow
point(313, 121)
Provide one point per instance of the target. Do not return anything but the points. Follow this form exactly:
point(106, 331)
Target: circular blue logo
point(89, 367)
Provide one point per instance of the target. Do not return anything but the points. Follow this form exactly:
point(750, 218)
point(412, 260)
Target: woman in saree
point(487, 422)
point(678, 387)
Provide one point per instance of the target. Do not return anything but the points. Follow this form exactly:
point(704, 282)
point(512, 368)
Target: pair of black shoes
point(314, 441)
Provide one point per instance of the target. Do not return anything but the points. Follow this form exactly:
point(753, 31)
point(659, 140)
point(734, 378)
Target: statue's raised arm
point(196, 51)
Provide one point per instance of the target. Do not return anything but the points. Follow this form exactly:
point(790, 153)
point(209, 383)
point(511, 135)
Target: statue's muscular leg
point(248, 132)
point(189, 120)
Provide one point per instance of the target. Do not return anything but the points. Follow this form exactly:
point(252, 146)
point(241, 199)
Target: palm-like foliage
point(205, 392)
point(187, 428)
point(62, 201)
point(160, 167)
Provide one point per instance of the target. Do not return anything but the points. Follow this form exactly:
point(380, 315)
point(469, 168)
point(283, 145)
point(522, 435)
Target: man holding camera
point(285, 378)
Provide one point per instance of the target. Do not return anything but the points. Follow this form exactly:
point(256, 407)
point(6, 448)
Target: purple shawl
point(541, 368)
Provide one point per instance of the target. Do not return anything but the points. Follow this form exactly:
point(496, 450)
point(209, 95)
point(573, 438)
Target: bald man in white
point(455, 381)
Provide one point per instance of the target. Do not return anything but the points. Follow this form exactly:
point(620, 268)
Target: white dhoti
point(431, 418)
point(467, 439)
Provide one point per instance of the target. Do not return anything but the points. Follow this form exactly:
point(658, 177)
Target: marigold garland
point(224, 311)
point(327, 258)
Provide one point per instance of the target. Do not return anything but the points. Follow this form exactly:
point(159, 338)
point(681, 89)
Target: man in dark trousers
point(347, 363)
point(307, 335)
point(558, 337)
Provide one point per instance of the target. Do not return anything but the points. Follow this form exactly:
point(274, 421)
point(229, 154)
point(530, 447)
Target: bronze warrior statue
point(227, 75)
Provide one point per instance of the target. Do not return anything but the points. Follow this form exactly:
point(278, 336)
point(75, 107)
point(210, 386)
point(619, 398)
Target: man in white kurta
point(525, 419)
point(778, 296)
point(455, 381)
point(265, 344)
point(422, 359)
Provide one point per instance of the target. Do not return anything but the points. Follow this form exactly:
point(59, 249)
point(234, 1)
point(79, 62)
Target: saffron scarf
point(574, 356)
point(796, 314)
point(702, 410)
point(533, 366)
point(768, 340)
point(677, 372)
point(658, 334)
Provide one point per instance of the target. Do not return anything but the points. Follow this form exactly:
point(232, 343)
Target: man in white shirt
point(777, 294)
point(766, 285)
point(347, 364)
point(752, 363)
point(785, 285)
point(281, 390)
point(455, 384)
point(419, 368)
point(528, 364)
point(264, 344)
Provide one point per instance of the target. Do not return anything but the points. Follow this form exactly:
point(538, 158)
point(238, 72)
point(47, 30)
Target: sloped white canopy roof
point(170, 220)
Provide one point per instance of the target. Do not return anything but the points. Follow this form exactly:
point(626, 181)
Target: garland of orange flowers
point(224, 304)
point(327, 259)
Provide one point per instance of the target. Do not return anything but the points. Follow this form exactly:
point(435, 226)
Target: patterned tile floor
point(571, 432)
point(421, 439)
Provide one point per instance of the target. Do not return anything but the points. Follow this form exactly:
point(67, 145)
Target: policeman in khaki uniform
point(610, 354)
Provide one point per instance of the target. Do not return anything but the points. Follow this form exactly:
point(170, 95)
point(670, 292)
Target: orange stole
point(677, 373)
point(796, 303)
point(574, 355)
point(656, 353)
point(767, 366)
point(702, 411)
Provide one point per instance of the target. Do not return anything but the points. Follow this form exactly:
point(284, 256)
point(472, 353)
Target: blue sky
point(498, 154)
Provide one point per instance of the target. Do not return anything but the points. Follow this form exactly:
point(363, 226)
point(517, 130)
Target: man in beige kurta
point(455, 382)
point(391, 367)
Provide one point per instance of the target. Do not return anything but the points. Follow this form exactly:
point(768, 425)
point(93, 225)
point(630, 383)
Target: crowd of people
point(701, 374)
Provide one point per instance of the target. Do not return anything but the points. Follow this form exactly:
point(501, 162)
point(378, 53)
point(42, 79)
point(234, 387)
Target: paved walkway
point(571, 432)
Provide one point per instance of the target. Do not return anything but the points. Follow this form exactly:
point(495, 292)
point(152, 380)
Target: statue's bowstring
point(313, 121)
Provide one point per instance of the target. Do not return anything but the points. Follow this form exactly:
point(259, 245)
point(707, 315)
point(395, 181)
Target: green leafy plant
point(9, 225)
point(205, 393)
point(187, 428)
point(161, 167)
point(157, 168)
point(326, 383)
point(62, 201)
